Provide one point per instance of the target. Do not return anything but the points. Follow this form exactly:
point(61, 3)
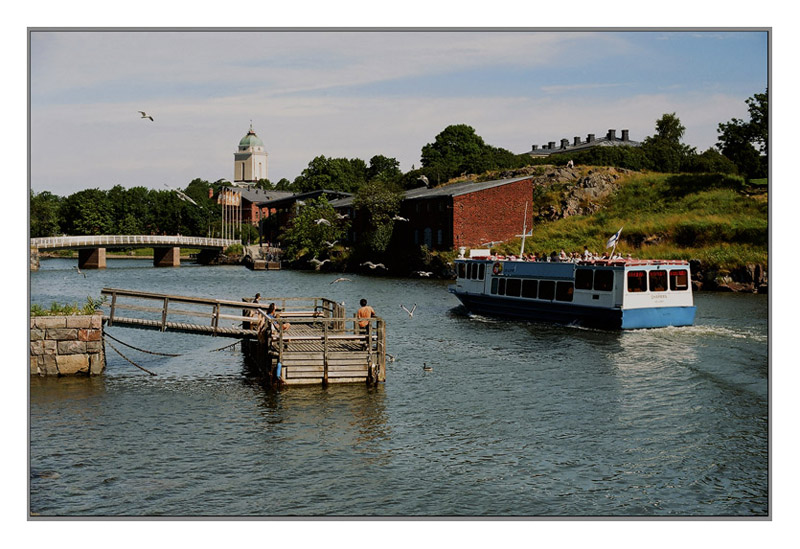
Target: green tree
point(747, 143)
point(664, 150)
point(337, 174)
point(376, 203)
point(305, 235)
point(283, 185)
point(87, 212)
point(44, 218)
point(382, 168)
point(456, 147)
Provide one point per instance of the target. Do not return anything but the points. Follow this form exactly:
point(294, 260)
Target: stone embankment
point(67, 345)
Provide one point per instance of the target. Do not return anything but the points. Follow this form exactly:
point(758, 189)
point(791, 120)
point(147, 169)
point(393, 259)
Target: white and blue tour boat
point(605, 293)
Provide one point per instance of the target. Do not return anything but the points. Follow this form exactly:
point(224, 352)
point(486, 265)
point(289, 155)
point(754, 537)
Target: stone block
point(79, 322)
point(88, 335)
point(35, 365)
point(94, 346)
point(71, 347)
point(61, 334)
point(48, 365)
point(50, 322)
point(97, 364)
point(37, 334)
point(37, 348)
point(50, 346)
point(72, 364)
point(97, 322)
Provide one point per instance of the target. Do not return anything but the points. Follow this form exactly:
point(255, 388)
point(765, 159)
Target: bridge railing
point(127, 240)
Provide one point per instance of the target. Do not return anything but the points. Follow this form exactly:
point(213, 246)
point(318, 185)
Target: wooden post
point(113, 304)
point(164, 314)
point(215, 318)
point(325, 353)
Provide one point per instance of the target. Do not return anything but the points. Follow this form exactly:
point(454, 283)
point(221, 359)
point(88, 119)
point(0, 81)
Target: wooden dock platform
point(311, 340)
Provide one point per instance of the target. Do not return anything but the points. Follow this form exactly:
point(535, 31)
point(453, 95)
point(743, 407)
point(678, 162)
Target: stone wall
point(66, 345)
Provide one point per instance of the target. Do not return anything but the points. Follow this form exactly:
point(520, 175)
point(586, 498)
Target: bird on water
point(426, 367)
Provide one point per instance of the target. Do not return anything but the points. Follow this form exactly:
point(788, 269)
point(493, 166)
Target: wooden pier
point(311, 341)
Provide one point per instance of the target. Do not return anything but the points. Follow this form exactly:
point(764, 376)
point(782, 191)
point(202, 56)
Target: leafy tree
point(87, 212)
point(305, 236)
point(747, 143)
point(664, 150)
point(44, 219)
point(382, 168)
point(283, 185)
point(376, 203)
point(710, 161)
point(337, 174)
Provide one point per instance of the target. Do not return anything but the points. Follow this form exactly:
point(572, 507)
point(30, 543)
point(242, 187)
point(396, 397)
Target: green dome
point(250, 140)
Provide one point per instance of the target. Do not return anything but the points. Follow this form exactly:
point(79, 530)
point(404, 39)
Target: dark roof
point(454, 189)
point(260, 195)
point(599, 142)
point(291, 198)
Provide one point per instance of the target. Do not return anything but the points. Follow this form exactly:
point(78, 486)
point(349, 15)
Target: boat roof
point(587, 262)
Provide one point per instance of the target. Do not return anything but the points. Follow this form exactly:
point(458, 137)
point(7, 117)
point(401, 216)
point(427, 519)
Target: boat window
point(501, 289)
point(547, 289)
point(494, 285)
point(513, 286)
point(564, 291)
point(604, 281)
point(637, 281)
point(583, 279)
point(529, 288)
point(481, 271)
point(473, 271)
point(658, 281)
point(679, 280)
point(462, 270)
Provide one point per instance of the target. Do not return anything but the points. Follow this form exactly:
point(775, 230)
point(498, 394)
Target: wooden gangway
point(310, 341)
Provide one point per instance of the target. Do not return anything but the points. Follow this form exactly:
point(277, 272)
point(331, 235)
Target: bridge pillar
point(166, 257)
point(34, 263)
point(92, 258)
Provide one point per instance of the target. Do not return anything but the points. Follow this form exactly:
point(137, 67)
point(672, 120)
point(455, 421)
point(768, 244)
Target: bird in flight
point(424, 180)
point(145, 115)
point(398, 218)
point(317, 262)
point(411, 312)
point(330, 244)
point(341, 279)
point(423, 273)
point(341, 216)
point(322, 221)
point(79, 271)
point(372, 265)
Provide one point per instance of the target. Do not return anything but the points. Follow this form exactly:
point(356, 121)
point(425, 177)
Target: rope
point(137, 348)
point(132, 362)
point(226, 347)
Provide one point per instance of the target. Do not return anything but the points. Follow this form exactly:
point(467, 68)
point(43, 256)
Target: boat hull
point(566, 313)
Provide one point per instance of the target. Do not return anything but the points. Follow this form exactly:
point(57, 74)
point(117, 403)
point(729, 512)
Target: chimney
point(564, 143)
point(551, 144)
point(534, 147)
point(612, 135)
point(625, 135)
point(590, 138)
point(576, 141)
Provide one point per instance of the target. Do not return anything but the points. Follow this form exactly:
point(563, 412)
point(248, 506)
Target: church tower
point(250, 160)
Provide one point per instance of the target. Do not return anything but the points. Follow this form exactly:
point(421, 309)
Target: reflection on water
point(514, 419)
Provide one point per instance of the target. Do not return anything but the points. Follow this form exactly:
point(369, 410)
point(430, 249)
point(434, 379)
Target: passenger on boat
point(586, 253)
point(563, 255)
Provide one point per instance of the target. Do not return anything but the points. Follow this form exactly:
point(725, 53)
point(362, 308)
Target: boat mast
point(524, 230)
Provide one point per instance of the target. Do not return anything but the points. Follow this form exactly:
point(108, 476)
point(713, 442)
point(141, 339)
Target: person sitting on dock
point(365, 312)
point(272, 316)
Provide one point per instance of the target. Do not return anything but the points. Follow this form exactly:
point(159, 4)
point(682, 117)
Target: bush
point(57, 309)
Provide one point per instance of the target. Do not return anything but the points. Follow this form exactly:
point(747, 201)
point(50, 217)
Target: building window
point(679, 280)
point(603, 281)
point(428, 237)
point(564, 291)
point(658, 281)
point(583, 279)
point(637, 281)
point(416, 236)
point(439, 237)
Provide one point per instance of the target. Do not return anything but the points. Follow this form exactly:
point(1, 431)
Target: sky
point(356, 94)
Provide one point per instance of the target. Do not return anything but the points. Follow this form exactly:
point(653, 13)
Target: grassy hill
point(715, 219)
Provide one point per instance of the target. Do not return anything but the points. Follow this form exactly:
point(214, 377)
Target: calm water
point(516, 419)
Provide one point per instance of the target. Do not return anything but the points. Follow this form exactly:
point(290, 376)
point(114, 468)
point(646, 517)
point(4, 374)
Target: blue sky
point(358, 94)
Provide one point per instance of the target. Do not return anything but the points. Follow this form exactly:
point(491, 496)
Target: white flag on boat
point(613, 240)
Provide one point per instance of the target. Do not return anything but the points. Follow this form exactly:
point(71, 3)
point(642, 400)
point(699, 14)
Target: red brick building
point(466, 214)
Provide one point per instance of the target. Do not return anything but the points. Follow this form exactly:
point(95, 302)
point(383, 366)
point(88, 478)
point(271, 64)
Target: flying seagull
point(330, 244)
point(372, 265)
point(322, 221)
point(398, 218)
point(79, 271)
point(423, 273)
point(181, 195)
point(317, 262)
point(341, 216)
point(411, 312)
point(341, 279)
point(145, 115)
point(424, 180)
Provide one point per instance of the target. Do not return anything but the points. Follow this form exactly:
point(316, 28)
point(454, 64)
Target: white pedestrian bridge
point(166, 249)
